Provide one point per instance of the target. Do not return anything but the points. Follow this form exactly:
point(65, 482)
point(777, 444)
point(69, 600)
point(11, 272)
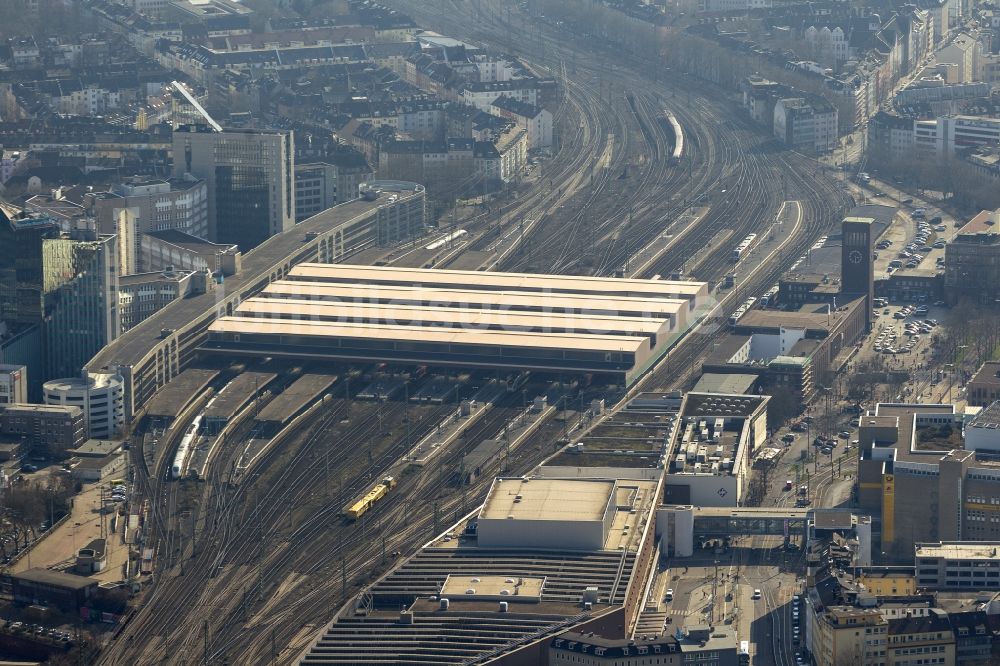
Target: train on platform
point(184, 449)
point(744, 248)
point(447, 239)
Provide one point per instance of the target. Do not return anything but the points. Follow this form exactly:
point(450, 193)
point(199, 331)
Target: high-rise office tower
point(81, 313)
point(58, 294)
point(251, 193)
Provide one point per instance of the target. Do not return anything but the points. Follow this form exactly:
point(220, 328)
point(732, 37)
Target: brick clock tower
point(857, 270)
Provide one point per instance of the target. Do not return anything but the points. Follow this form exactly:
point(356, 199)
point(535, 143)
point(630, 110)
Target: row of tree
point(960, 182)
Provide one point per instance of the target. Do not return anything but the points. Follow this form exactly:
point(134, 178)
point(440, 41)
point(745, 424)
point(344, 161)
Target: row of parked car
point(37, 630)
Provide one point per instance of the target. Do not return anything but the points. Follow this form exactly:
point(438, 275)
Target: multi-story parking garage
point(515, 321)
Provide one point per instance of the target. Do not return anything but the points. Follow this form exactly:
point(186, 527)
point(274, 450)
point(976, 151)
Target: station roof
point(336, 330)
point(490, 280)
point(55, 579)
point(134, 344)
point(287, 403)
point(622, 305)
point(172, 398)
point(441, 317)
point(236, 393)
point(548, 499)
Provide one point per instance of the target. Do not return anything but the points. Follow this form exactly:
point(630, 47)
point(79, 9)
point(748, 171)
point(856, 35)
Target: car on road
point(844, 434)
point(789, 438)
point(669, 596)
point(756, 594)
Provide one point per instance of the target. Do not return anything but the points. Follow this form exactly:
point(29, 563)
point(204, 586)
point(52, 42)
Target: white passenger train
point(185, 447)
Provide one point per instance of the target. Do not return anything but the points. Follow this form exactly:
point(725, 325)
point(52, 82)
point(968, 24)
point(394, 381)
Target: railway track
point(278, 535)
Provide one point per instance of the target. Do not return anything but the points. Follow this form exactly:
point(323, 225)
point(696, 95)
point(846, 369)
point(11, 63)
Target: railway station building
point(508, 321)
point(161, 347)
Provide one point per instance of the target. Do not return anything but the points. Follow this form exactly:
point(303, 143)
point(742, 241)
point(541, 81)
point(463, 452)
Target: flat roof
point(720, 405)
point(55, 579)
point(134, 344)
point(983, 223)
point(813, 321)
point(517, 281)
point(286, 404)
point(96, 448)
point(179, 391)
point(548, 499)
point(500, 299)
point(513, 588)
point(960, 550)
point(988, 374)
point(237, 393)
point(189, 242)
point(607, 343)
point(988, 417)
point(374, 313)
point(711, 382)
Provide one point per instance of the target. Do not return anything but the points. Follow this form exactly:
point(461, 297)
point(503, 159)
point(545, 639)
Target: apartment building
point(972, 260)
point(925, 640)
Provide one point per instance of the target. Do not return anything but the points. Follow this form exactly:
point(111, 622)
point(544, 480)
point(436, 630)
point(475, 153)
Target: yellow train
point(358, 509)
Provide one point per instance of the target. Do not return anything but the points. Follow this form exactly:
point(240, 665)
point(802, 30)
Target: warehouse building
point(612, 327)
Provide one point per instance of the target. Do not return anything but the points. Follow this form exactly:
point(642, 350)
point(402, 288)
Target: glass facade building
point(250, 177)
point(58, 295)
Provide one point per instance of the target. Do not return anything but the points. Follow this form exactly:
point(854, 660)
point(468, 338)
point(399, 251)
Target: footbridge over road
point(679, 527)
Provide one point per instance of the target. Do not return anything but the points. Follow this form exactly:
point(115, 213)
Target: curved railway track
point(277, 535)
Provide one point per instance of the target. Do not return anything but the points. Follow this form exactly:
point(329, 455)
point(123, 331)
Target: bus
point(744, 653)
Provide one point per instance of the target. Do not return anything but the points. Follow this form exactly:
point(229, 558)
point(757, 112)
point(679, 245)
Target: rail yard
point(257, 546)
